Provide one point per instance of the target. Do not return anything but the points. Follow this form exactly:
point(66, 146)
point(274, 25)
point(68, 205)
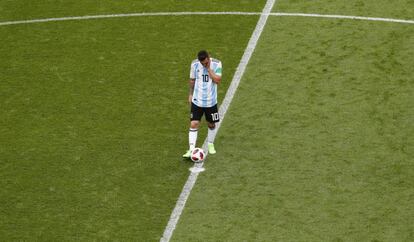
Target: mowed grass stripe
point(317, 145)
point(93, 122)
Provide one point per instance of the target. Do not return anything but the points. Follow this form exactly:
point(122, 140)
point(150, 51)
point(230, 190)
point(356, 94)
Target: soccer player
point(205, 75)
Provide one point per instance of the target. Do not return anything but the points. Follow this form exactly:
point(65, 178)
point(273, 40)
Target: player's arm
point(216, 77)
point(191, 85)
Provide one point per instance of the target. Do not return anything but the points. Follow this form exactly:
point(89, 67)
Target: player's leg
point(192, 134)
point(210, 138)
point(212, 117)
point(195, 117)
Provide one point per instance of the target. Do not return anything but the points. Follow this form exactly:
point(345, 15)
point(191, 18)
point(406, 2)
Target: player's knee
point(194, 124)
point(211, 125)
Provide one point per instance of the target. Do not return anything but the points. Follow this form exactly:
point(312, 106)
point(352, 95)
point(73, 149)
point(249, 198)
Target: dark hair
point(202, 55)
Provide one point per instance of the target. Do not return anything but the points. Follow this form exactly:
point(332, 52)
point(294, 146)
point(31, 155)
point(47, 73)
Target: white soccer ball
point(197, 155)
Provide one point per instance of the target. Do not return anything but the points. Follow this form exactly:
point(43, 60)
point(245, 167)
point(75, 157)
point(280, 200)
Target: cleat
point(211, 149)
point(187, 154)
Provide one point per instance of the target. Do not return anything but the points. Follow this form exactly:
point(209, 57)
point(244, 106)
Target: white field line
point(192, 178)
point(203, 13)
point(234, 84)
point(344, 17)
point(123, 16)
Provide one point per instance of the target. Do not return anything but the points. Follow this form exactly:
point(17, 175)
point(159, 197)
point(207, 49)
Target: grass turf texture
point(18, 10)
point(402, 9)
point(318, 142)
point(94, 121)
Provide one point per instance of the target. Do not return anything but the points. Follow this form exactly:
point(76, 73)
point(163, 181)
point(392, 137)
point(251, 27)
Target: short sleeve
point(192, 70)
point(218, 69)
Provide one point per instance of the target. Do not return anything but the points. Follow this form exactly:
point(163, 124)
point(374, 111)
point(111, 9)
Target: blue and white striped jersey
point(205, 90)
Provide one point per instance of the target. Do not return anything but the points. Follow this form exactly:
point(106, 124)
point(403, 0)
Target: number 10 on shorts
point(215, 116)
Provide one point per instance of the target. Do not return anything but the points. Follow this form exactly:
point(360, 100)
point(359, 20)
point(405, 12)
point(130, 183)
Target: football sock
point(211, 134)
point(192, 138)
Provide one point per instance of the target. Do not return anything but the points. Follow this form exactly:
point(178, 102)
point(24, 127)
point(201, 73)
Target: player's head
point(203, 57)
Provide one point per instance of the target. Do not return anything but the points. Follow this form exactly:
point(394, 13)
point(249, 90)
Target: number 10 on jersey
point(205, 78)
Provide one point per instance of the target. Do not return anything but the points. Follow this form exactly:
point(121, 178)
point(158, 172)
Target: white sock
point(192, 138)
point(211, 134)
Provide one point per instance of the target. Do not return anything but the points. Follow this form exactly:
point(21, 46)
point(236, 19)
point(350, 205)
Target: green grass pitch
point(94, 119)
point(317, 144)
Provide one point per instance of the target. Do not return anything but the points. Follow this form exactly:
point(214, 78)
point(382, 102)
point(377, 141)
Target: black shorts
point(212, 115)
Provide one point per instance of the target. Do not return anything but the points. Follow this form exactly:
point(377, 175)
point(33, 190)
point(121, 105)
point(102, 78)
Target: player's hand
point(190, 98)
point(208, 63)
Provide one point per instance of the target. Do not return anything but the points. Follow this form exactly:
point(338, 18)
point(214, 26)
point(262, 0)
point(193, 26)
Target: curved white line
point(344, 17)
point(203, 13)
point(123, 15)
